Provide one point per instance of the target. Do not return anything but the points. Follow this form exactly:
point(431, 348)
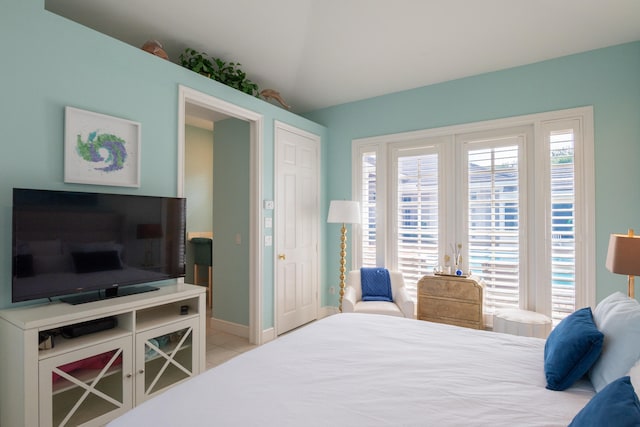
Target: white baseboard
point(327, 310)
point(240, 330)
point(230, 327)
point(268, 334)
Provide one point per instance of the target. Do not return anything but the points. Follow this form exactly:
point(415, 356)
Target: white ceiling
point(320, 53)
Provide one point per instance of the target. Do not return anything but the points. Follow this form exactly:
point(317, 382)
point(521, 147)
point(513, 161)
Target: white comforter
point(371, 370)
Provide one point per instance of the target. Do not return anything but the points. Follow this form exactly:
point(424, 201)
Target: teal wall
point(608, 79)
point(50, 62)
point(231, 187)
point(198, 188)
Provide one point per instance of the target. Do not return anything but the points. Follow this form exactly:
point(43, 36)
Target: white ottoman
point(521, 322)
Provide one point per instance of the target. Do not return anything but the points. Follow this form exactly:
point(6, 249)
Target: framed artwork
point(101, 149)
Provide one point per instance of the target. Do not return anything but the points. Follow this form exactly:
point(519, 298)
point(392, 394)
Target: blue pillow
point(571, 349)
point(376, 284)
point(616, 405)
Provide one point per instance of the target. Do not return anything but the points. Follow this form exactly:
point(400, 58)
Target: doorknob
point(282, 256)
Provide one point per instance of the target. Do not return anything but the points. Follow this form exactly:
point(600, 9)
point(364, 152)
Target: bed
point(359, 369)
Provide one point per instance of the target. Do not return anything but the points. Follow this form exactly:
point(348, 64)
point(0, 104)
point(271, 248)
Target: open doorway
point(196, 107)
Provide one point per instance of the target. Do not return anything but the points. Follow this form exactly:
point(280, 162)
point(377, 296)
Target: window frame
point(537, 181)
point(434, 145)
point(472, 140)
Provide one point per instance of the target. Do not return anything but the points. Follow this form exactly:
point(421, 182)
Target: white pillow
point(618, 318)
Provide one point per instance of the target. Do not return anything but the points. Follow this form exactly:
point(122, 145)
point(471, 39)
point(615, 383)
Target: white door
point(296, 227)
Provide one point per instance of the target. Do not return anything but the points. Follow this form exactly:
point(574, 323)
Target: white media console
point(159, 341)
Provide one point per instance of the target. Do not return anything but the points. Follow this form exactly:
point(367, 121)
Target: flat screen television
point(88, 246)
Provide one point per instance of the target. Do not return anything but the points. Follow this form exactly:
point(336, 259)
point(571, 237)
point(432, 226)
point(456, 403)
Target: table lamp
point(623, 257)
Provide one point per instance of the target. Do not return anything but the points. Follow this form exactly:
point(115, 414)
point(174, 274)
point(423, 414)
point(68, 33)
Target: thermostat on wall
point(268, 204)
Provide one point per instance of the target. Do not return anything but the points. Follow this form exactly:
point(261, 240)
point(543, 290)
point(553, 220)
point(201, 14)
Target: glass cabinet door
point(165, 356)
point(86, 384)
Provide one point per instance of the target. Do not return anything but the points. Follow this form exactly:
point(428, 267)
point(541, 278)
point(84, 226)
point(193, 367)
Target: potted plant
point(229, 74)
point(196, 61)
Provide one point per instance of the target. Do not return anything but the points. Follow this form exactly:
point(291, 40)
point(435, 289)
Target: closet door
point(297, 223)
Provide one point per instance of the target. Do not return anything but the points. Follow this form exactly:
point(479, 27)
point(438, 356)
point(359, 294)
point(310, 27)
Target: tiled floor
point(222, 346)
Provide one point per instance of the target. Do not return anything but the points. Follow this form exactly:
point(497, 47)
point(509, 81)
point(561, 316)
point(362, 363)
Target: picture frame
point(101, 149)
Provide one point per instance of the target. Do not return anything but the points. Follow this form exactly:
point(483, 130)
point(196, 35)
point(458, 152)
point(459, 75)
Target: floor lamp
point(623, 257)
point(345, 212)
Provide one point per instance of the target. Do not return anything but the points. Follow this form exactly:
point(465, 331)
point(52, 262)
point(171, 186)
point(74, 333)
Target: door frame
point(186, 96)
point(317, 141)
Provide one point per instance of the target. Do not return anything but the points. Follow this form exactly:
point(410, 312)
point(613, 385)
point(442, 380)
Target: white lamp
point(623, 257)
point(345, 212)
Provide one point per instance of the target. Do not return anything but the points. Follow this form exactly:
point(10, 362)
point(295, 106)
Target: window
point(368, 206)
point(493, 241)
point(417, 211)
point(515, 195)
point(563, 212)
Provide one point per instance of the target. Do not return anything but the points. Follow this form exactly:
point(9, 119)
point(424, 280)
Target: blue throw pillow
point(571, 349)
point(376, 284)
point(616, 405)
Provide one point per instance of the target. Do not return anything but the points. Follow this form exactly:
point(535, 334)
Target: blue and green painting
point(103, 148)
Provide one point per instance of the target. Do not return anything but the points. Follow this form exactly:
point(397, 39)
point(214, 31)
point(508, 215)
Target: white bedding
point(371, 370)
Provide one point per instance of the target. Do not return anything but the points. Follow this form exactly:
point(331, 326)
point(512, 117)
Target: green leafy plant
point(196, 61)
point(228, 73)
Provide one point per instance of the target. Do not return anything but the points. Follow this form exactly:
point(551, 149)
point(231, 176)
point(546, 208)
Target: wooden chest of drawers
point(449, 299)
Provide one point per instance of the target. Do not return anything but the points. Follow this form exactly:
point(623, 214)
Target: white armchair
point(401, 306)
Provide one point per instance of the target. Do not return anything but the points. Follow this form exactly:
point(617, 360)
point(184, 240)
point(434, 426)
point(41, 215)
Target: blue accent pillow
point(571, 349)
point(616, 405)
point(376, 284)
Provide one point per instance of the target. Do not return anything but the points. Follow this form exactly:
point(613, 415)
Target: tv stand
point(158, 342)
point(113, 292)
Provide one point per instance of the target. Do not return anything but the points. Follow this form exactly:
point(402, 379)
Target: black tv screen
point(88, 246)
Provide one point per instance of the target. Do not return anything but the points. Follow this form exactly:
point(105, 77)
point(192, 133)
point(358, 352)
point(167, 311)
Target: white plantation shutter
point(416, 216)
point(563, 238)
point(517, 194)
point(493, 224)
point(368, 206)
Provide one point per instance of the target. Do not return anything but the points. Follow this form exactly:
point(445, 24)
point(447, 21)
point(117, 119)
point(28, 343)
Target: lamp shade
point(623, 256)
point(344, 211)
